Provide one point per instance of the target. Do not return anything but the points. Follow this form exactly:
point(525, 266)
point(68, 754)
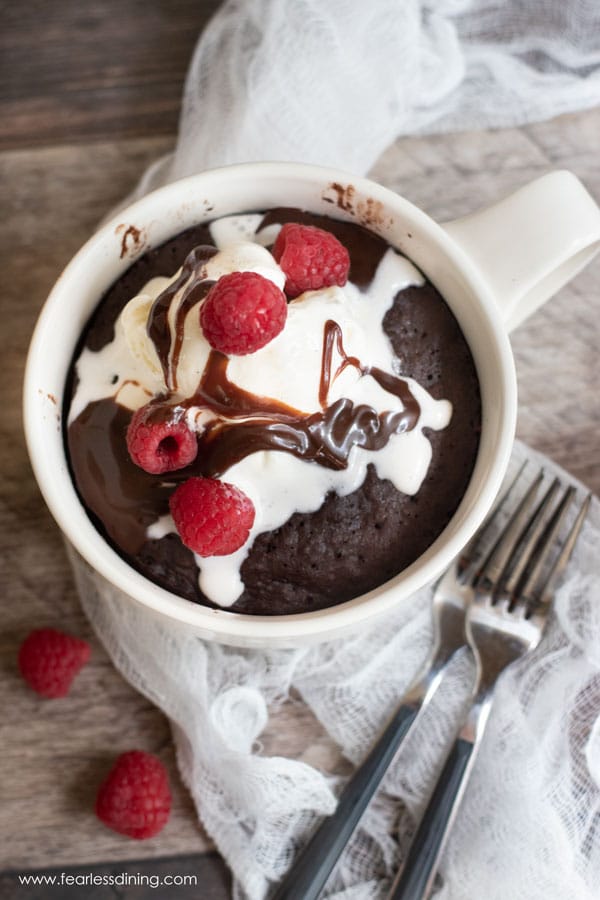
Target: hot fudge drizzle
point(246, 423)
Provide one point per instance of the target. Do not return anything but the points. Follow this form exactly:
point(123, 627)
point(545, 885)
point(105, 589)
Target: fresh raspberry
point(49, 661)
point(242, 313)
point(135, 798)
point(158, 444)
point(310, 258)
point(213, 518)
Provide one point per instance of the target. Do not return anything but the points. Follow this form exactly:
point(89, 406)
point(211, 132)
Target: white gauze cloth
point(335, 83)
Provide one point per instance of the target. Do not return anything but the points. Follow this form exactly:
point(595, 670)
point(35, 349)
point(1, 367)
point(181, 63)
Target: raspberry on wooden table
point(213, 517)
point(135, 798)
point(242, 312)
point(159, 445)
point(49, 660)
point(311, 258)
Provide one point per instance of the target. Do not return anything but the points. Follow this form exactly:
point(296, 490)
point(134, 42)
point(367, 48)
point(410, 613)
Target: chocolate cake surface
point(352, 543)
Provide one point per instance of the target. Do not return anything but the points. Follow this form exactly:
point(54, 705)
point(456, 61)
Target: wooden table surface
point(89, 96)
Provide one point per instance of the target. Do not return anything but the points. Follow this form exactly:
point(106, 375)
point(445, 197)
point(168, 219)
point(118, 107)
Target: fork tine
point(529, 540)
point(495, 562)
point(560, 564)
point(542, 550)
point(469, 552)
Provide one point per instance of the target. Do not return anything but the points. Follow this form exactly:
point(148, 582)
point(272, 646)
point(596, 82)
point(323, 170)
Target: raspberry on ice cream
point(311, 258)
point(159, 446)
point(135, 798)
point(242, 313)
point(213, 518)
point(49, 660)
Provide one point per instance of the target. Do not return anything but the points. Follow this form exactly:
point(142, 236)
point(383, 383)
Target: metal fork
point(307, 876)
point(511, 595)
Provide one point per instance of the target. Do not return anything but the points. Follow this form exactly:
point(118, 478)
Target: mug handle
point(527, 246)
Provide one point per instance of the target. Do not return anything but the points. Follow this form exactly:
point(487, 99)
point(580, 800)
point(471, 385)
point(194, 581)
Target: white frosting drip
point(288, 369)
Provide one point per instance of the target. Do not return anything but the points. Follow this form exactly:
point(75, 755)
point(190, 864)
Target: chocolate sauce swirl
point(326, 437)
point(245, 423)
point(158, 329)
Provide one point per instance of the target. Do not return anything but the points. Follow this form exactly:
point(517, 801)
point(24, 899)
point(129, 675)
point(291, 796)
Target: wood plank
point(76, 71)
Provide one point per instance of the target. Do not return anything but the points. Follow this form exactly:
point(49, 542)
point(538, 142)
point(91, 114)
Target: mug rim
point(222, 624)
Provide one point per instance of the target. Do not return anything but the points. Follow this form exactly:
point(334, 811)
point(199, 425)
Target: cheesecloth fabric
point(335, 83)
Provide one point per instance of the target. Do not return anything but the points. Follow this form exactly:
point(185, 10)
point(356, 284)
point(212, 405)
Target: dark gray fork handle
point(415, 879)
point(418, 872)
point(310, 871)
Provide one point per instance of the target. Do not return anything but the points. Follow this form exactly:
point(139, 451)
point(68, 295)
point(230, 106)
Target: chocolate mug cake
point(350, 433)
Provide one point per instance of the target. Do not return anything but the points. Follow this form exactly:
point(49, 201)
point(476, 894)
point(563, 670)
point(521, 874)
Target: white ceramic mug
point(493, 268)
